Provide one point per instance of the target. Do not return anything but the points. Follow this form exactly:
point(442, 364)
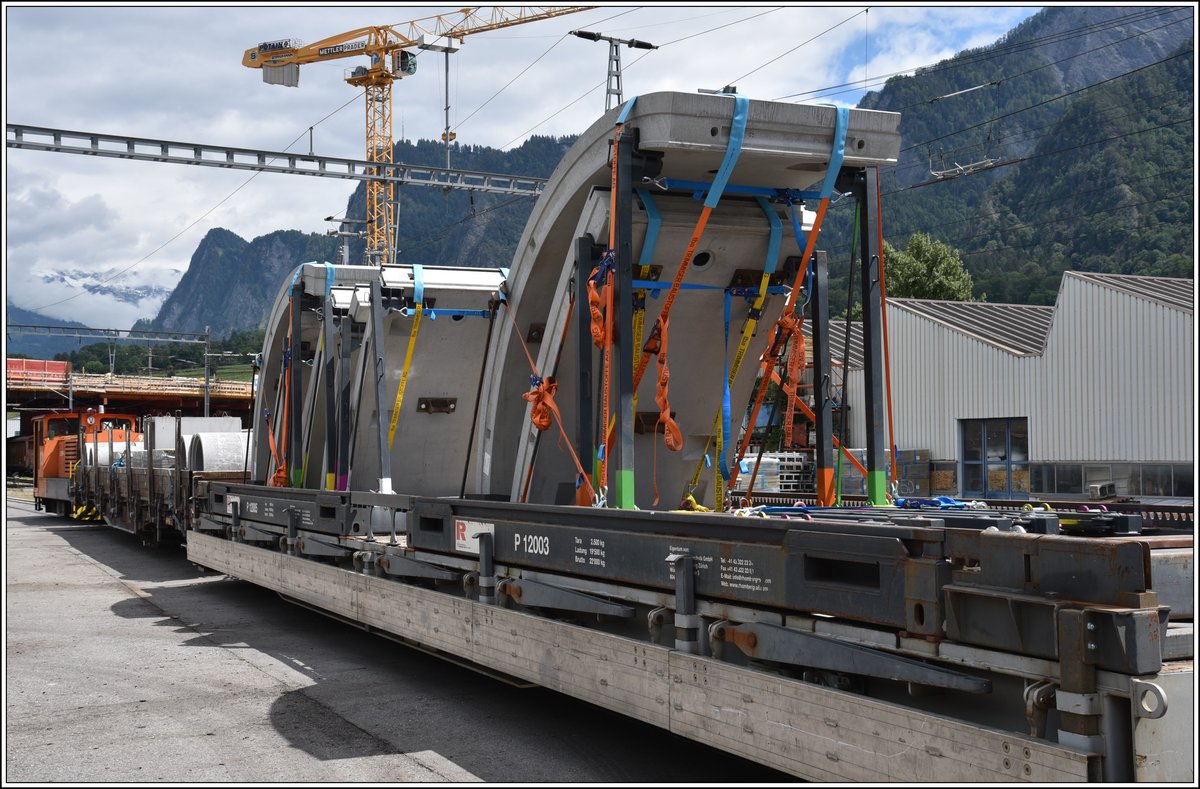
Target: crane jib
point(339, 49)
point(275, 46)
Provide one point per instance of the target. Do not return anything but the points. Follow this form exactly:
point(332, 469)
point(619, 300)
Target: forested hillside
point(455, 227)
point(1067, 147)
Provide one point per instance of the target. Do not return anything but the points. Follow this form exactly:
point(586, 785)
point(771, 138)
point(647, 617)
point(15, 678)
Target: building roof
point(1020, 329)
point(837, 342)
point(1172, 292)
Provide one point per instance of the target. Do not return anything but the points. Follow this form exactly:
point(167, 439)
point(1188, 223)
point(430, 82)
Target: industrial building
point(1093, 396)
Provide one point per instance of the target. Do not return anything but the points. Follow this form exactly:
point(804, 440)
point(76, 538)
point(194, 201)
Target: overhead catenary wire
point(1105, 112)
point(1010, 78)
point(531, 65)
point(677, 21)
point(1109, 113)
point(721, 27)
point(1050, 153)
point(991, 54)
point(1061, 150)
point(535, 61)
point(1052, 99)
point(798, 46)
point(1065, 217)
point(637, 60)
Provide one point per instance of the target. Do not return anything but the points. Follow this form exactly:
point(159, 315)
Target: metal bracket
point(1147, 699)
point(655, 621)
point(312, 545)
point(402, 566)
point(436, 405)
point(539, 595)
point(796, 647)
point(248, 532)
point(647, 421)
point(752, 278)
point(1038, 698)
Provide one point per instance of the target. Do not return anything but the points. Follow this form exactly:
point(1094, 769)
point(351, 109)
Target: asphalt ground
point(125, 664)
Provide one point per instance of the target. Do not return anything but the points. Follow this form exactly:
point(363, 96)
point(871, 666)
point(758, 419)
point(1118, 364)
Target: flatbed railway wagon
point(467, 460)
point(144, 482)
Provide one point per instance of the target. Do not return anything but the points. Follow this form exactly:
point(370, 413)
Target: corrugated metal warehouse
point(1013, 400)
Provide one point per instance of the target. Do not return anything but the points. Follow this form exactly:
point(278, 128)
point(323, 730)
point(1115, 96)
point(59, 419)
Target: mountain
point(38, 346)
point(230, 282)
point(1075, 135)
point(455, 227)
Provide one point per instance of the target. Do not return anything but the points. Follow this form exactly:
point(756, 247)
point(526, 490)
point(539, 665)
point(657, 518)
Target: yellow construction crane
point(387, 47)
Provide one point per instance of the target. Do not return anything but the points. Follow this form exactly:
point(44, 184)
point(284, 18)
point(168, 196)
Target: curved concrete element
point(218, 451)
point(326, 403)
point(268, 398)
point(786, 146)
point(355, 328)
point(98, 454)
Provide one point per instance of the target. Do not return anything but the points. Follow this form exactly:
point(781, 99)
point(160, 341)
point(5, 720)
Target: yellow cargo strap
point(743, 345)
point(418, 299)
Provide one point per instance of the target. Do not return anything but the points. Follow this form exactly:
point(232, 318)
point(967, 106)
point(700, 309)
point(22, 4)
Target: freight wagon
point(468, 460)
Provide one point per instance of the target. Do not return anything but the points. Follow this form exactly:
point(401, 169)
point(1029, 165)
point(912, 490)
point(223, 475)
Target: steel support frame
point(295, 444)
point(587, 253)
point(822, 380)
point(863, 185)
point(623, 341)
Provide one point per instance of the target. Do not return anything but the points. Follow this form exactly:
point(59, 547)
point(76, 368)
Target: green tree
point(926, 269)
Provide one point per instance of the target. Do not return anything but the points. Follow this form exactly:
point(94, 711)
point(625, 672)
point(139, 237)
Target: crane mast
point(387, 47)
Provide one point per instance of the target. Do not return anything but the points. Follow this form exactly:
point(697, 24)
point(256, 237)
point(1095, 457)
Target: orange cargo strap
point(544, 409)
point(561, 341)
point(790, 324)
point(280, 478)
point(671, 433)
point(775, 347)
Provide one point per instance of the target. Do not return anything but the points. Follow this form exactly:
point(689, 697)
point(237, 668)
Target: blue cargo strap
point(737, 134)
point(723, 435)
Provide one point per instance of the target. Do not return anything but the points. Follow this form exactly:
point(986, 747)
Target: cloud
point(175, 73)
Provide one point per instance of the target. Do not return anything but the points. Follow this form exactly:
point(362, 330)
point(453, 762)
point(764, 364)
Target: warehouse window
point(995, 457)
point(1156, 480)
point(1069, 478)
point(1043, 478)
point(1183, 481)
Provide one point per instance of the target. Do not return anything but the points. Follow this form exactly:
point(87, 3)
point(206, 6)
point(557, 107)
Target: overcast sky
point(175, 73)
